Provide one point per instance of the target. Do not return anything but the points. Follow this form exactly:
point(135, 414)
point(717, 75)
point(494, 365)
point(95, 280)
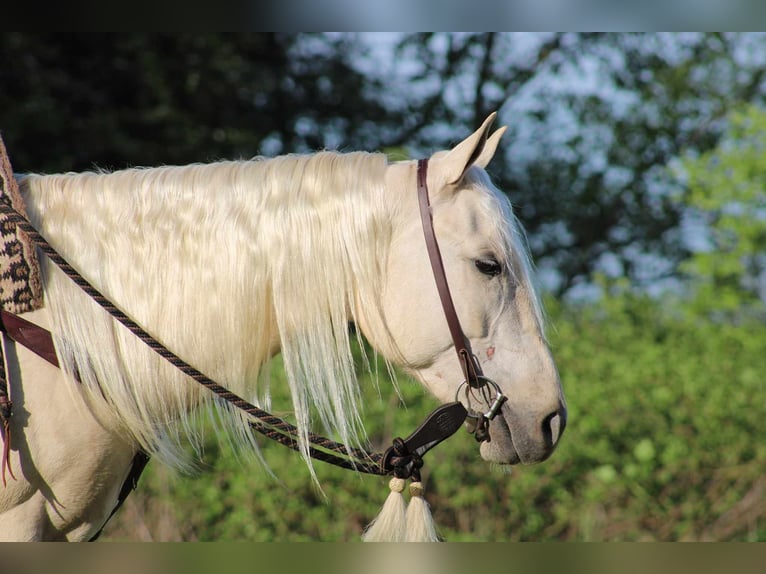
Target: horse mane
point(225, 263)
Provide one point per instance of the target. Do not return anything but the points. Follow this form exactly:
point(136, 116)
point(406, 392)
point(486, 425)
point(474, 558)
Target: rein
point(403, 459)
point(399, 458)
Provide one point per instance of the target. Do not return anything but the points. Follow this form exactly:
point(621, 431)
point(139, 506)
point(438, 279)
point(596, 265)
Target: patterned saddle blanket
point(20, 285)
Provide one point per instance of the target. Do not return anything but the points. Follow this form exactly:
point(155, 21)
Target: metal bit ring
point(494, 408)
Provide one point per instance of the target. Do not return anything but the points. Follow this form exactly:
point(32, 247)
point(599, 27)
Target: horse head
point(489, 276)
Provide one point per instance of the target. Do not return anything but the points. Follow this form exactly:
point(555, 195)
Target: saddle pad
point(20, 286)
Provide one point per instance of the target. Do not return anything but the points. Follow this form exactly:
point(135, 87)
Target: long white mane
point(225, 263)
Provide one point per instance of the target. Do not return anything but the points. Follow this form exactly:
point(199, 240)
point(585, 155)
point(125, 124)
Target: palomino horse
point(230, 263)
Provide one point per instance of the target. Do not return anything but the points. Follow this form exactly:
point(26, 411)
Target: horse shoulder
point(68, 466)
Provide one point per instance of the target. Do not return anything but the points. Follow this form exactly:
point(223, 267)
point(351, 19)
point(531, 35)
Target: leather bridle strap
point(33, 337)
point(468, 362)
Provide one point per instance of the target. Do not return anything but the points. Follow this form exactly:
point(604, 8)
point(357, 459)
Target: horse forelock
point(224, 263)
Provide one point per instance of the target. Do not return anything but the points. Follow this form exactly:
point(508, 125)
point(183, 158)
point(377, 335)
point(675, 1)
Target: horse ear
point(472, 150)
point(490, 147)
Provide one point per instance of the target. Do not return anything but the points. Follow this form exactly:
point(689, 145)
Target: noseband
point(473, 377)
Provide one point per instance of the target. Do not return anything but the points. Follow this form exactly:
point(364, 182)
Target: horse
point(232, 262)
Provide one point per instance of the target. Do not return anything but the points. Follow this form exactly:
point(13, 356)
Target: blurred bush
point(664, 443)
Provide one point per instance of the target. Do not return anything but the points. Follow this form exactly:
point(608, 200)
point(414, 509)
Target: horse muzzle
point(518, 436)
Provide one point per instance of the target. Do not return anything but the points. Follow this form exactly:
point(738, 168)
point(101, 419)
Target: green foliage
point(663, 443)
point(669, 409)
point(726, 185)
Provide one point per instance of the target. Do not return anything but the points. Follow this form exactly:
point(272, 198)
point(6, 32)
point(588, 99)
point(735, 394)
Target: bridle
point(473, 377)
point(403, 459)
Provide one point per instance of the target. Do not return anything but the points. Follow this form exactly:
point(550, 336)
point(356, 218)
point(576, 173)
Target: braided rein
point(403, 459)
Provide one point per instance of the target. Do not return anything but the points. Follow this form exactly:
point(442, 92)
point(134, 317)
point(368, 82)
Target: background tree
point(595, 118)
point(72, 102)
point(728, 192)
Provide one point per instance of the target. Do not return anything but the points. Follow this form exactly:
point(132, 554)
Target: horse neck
point(224, 264)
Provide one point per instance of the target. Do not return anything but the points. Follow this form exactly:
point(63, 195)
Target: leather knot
point(405, 464)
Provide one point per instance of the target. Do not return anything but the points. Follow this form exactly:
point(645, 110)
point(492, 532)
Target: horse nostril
point(553, 426)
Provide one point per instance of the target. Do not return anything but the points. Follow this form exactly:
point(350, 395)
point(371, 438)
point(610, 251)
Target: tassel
point(420, 523)
point(389, 526)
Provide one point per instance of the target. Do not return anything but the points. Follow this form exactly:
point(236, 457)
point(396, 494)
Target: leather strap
point(33, 337)
point(39, 341)
point(140, 460)
point(405, 457)
point(468, 362)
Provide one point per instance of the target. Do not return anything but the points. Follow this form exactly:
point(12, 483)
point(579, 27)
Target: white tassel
point(420, 523)
point(389, 526)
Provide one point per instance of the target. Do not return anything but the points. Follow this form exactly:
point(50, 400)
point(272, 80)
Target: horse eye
point(489, 267)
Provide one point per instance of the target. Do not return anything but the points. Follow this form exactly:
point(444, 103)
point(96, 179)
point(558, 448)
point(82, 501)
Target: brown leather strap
point(140, 460)
point(468, 363)
point(37, 340)
point(33, 337)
